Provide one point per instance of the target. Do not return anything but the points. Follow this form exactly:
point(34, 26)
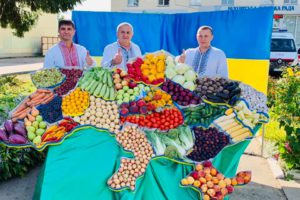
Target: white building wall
point(30, 44)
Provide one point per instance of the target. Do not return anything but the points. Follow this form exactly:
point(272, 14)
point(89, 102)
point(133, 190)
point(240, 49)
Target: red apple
point(217, 188)
point(195, 175)
point(204, 188)
point(209, 184)
point(207, 163)
point(240, 180)
point(211, 192)
point(201, 173)
point(230, 189)
point(224, 191)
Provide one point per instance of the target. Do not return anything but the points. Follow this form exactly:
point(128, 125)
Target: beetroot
point(17, 139)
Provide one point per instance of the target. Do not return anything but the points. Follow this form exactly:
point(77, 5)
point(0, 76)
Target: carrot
point(14, 119)
point(43, 91)
point(33, 95)
point(21, 107)
point(48, 99)
point(22, 115)
point(16, 114)
point(39, 96)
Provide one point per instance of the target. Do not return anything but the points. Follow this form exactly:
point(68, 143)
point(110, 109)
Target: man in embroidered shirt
point(119, 52)
point(205, 59)
point(66, 53)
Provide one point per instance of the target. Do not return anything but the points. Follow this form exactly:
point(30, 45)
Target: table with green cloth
point(80, 167)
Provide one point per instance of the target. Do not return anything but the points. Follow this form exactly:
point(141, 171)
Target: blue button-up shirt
point(112, 49)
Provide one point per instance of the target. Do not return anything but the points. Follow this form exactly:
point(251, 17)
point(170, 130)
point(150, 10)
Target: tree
point(21, 15)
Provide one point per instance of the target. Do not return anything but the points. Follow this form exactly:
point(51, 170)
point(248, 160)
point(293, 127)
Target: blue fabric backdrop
point(239, 33)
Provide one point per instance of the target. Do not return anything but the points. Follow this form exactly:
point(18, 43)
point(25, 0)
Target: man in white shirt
point(205, 59)
point(118, 53)
point(66, 53)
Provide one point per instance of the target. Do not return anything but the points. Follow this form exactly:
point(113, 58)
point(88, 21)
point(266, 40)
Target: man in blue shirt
point(205, 59)
point(119, 52)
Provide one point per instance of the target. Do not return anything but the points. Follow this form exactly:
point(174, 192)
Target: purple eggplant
point(9, 126)
point(17, 139)
point(20, 129)
point(3, 135)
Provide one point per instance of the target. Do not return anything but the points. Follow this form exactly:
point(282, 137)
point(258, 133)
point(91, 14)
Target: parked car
point(283, 51)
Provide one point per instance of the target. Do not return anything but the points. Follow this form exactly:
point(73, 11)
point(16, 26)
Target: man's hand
point(118, 58)
point(88, 59)
point(182, 57)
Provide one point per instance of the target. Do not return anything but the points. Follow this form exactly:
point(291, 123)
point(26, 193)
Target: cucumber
point(109, 79)
point(90, 85)
point(104, 80)
point(112, 93)
point(106, 95)
point(98, 89)
point(103, 90)
point(100, 75)
point(93, 88)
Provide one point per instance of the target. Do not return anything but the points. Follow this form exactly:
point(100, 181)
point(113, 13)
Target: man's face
point(66, 32)
point(204, 38)
point(124, 35)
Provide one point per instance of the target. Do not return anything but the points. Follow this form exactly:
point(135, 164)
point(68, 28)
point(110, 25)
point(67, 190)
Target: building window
point(293, 2)
point(227, 2)
point(267, 2)
point(133, 3)
point(163, 2)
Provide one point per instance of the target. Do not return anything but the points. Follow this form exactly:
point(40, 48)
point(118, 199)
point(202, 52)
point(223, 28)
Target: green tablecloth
point(80, 167)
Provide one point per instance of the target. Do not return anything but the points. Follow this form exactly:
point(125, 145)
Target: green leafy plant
point(15, 162)
point(286, 106)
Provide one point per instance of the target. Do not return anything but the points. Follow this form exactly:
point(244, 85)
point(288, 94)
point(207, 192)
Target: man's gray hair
point(124, 23)
point(205, 28)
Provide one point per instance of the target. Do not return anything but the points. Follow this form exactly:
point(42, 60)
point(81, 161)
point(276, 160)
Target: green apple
point(125, 88)
point(126, 99)
point(31, 136)
point(39, 118)
point(136, 94)
point(40, 131)
point(120, 101)
point(136, 89)
point(120, 92)
point(130, 91)
point(141, 86)
point(126, 95)
point(147, 89)
point(132, 98)
point(42, 125)
point(119, 97)
point(37, 140)
point(30, 129)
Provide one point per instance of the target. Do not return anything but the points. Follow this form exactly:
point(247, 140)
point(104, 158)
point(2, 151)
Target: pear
point(37, 140)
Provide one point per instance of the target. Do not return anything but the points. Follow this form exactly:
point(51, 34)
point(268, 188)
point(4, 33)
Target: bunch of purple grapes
point(209, 142)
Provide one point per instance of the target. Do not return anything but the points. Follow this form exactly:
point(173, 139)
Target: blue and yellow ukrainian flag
point(244, 36)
